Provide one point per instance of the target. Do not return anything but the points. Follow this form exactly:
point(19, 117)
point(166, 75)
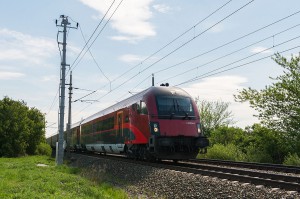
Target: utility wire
point(147, 78)
point(182, 34)
point(86, 43)
point(91, 46)
point(201, 77)
point(58, 44)
point(211, 72)
point(53, 102)
point(74, 66)
point(171, 52)
point(93, 56)
point(239, 38)
point(200, 66)
point(197, 35)
point(176, 38)
point(182, 45)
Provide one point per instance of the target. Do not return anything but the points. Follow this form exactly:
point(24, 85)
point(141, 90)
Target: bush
point(222, 152)
point(292, 159)
point(254, 154)
point(43, 149)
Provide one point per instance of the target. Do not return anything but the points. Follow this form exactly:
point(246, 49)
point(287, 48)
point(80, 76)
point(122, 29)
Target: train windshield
point(174, 107)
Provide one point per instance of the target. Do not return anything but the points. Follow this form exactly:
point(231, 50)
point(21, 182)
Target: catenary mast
point(64, 24)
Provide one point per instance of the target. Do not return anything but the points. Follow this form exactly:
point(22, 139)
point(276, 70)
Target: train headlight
point(199, 128)
point(155, 127)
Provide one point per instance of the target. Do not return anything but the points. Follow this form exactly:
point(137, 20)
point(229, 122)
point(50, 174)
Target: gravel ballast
point(147, 182)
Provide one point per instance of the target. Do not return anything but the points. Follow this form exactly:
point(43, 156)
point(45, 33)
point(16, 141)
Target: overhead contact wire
point(165, 45)
point(176, 49)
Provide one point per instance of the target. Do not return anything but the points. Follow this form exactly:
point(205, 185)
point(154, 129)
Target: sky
point(211, 49)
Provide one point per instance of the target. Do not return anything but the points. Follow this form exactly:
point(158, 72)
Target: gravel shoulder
point(147, 182)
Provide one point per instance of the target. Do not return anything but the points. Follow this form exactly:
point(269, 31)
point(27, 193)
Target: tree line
point(22, 129)
point(276, 139)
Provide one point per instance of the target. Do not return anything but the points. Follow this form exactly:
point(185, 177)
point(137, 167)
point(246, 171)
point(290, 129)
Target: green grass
point(22, 178)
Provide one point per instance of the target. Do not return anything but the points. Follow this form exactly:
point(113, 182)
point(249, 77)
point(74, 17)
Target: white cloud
point(261, 49)
point(10, 75)
point(130, 58)
point(131, 19)
point(223, 88)
point(217, 88)
point(129, 39)
point(18, 46)
point(163, 8)
point(50, 78)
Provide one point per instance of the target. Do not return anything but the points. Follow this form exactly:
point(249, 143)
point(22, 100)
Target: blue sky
point(30, 60)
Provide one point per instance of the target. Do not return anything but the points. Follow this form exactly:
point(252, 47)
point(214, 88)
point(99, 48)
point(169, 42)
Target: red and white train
point(157, 123)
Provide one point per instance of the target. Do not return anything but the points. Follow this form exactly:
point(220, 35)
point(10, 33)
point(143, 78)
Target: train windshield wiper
point(179, 108)
point(172, 115)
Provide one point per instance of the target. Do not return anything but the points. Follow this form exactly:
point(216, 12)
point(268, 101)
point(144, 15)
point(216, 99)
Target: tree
point(13, 128)
point(265, 145)
point(214, 114)
point(278, 104)
point(36, 125)
point(227, 135)
point(21, 128)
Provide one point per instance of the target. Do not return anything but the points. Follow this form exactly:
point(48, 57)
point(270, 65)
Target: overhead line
point(93, 56)
point(202, 65)
point(183, 45)
point(179, 36)
point(164, 46)
point(237, 66)
point(175, 50)
point(89, 49)
point(208, 73)
point(81, 50)
point(196, 36)
point(53, 101)
point(239, 38)
point(147, 78)
point(73, 67)
point(86, 43)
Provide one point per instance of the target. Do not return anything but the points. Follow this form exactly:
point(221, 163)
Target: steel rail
point(251, 165)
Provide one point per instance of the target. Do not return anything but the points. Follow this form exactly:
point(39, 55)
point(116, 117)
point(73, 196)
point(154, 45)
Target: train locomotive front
point(157, 123)
point(174, 124)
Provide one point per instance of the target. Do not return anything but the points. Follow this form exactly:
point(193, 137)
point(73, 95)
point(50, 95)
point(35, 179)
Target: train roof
point(133, 99)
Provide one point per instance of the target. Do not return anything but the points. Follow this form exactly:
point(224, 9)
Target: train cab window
point(175, 106)
point(143, 110)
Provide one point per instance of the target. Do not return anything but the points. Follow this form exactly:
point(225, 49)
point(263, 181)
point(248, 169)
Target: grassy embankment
point(23, 178)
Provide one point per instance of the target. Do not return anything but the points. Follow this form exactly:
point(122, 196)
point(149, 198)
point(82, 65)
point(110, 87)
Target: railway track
point(286, 182)
point(250, 165)
point(282, 181)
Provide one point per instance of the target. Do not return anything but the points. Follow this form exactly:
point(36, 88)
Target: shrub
point(292, 159)
point(43, 149)
point(254, 154)
point(222, 152)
